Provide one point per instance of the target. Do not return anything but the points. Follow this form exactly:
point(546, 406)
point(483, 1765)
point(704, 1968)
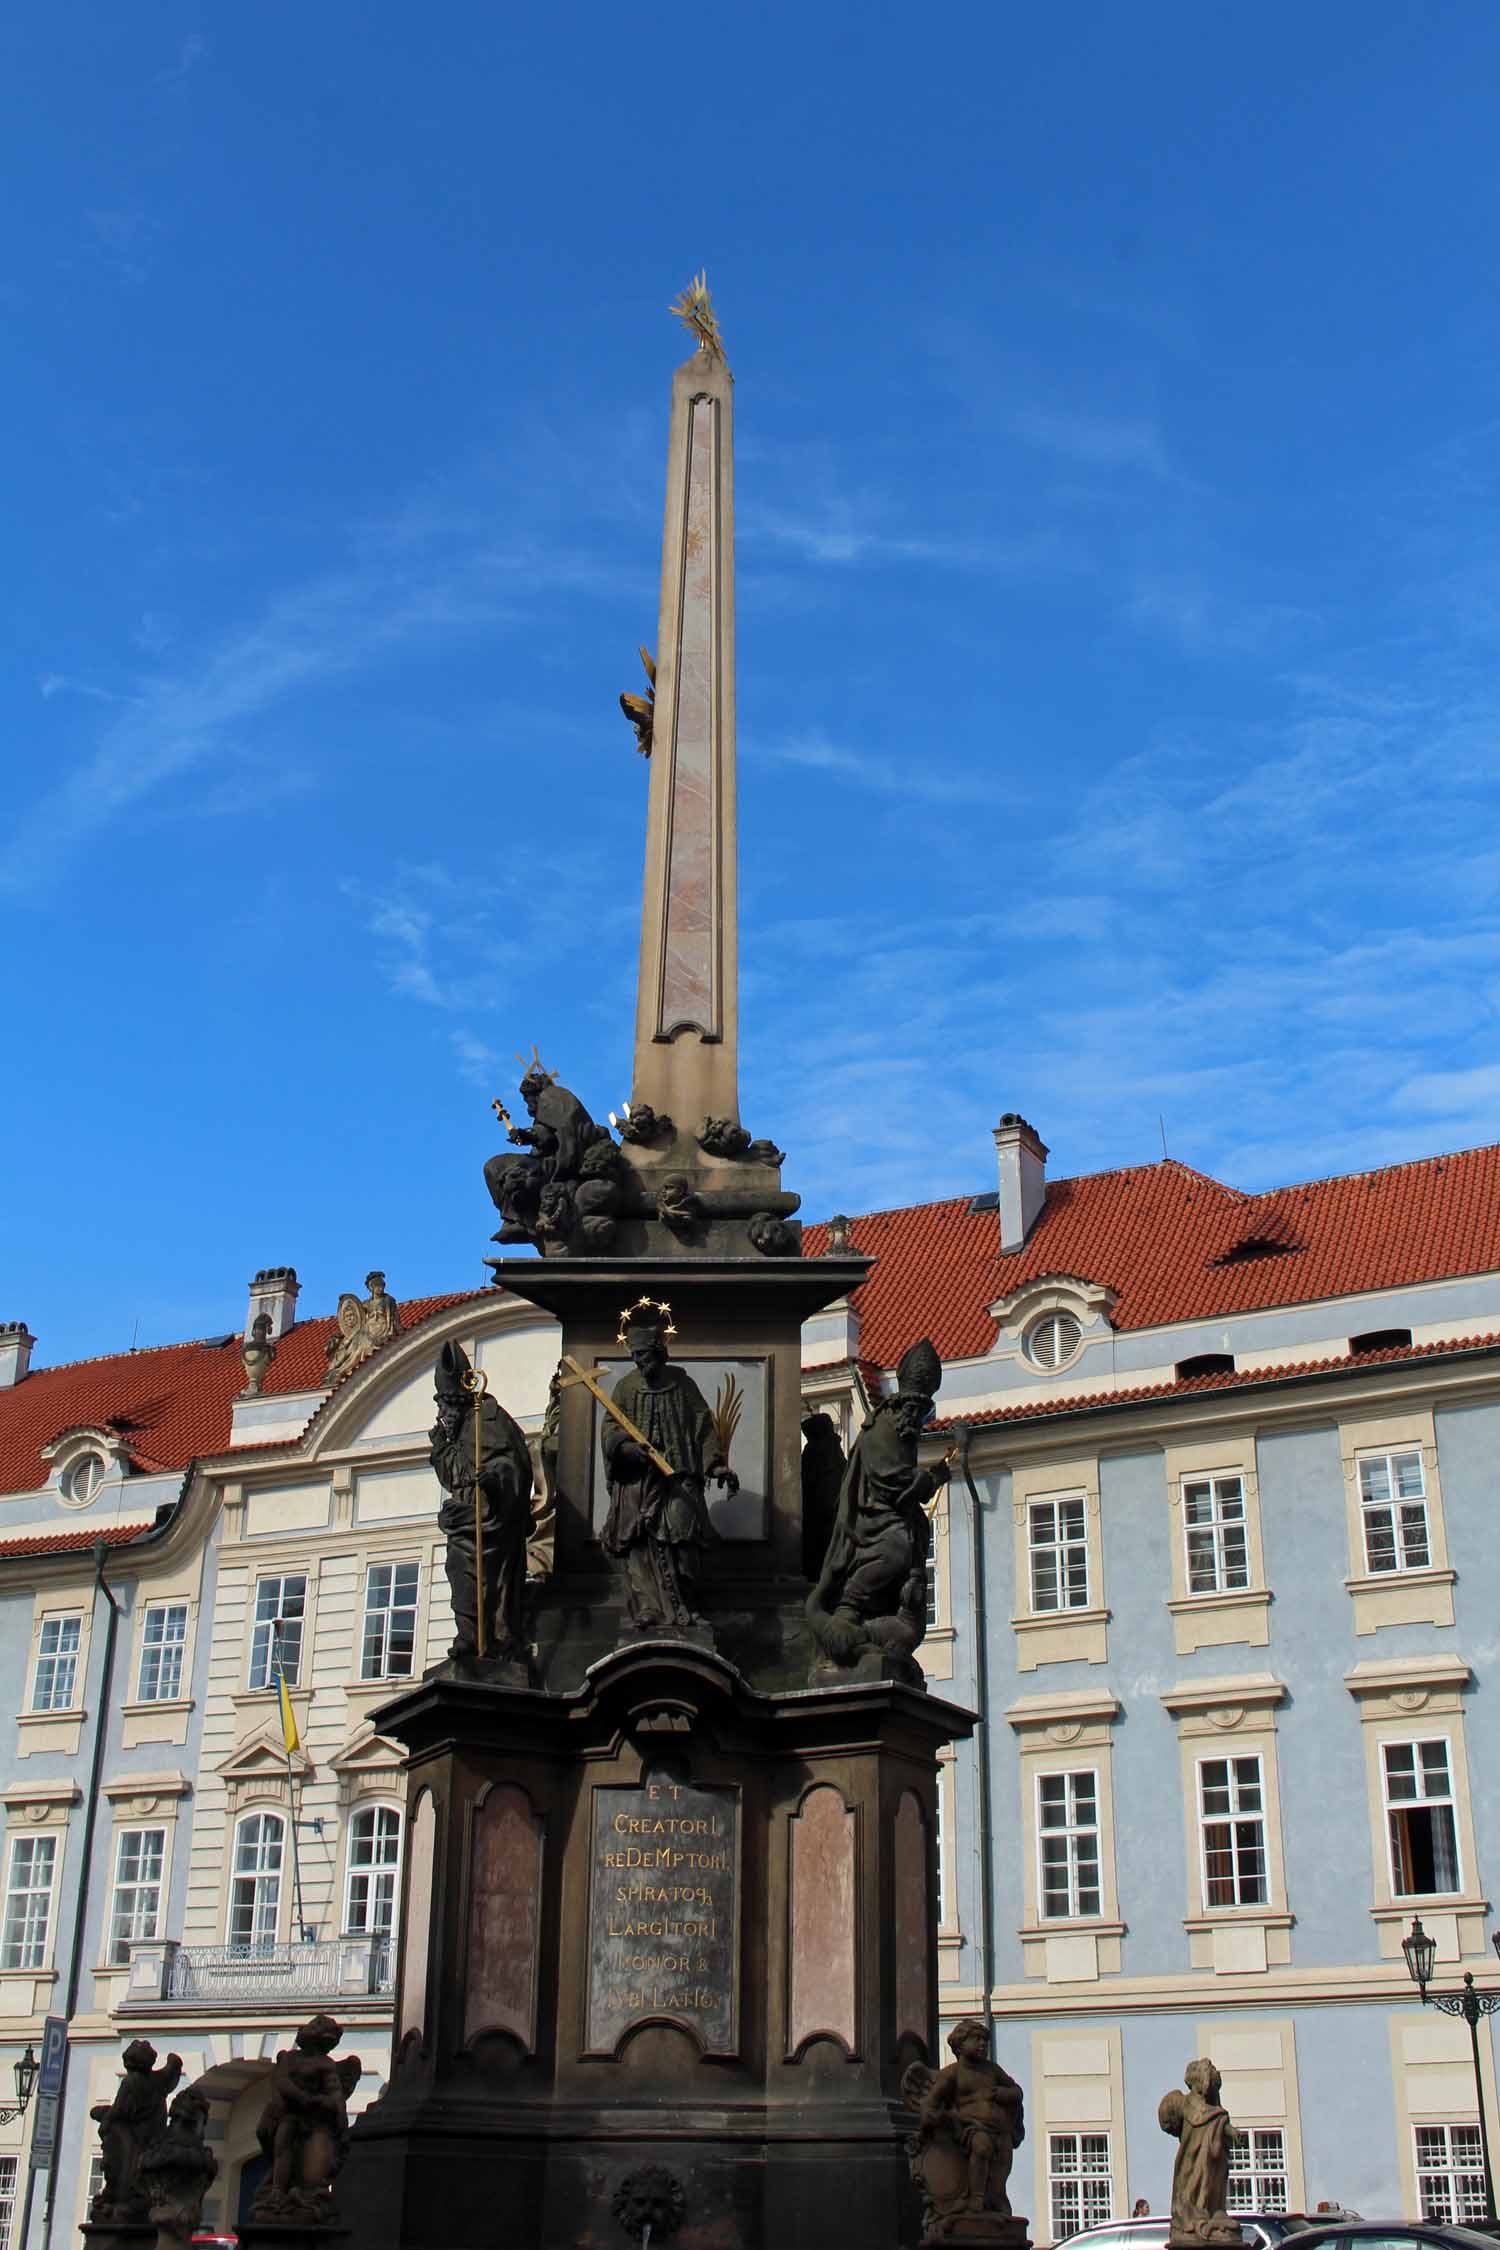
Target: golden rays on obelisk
point(694, 308)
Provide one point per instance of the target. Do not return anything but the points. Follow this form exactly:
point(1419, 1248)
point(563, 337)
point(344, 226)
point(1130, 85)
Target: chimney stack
point(273, 1292)
point(16, 1342)
point(1023, 1178)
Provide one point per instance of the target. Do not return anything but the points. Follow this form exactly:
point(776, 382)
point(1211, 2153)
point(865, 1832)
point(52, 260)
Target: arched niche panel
point(821, 1903)
point(505, 1917)
point(416, 1940)
point(914, 1935)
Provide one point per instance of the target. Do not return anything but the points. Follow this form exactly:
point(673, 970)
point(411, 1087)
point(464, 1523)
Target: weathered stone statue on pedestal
point(178, 2170)
point(869, 1607)
point(1200, 2174)
point(970, 2122)
point(657, 1523)
point(304, 2129)
point(561, 1182)
point(128, 2125)
point(483, 1462)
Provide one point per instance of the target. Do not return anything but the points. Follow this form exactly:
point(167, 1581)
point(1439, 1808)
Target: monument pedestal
point(664, 1924)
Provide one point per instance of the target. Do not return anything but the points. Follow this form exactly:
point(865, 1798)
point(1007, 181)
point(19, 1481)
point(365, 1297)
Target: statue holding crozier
point(661, 1450)
point(482, 1460)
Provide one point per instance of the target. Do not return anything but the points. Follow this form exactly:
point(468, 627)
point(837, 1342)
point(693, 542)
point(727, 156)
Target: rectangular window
point(163, 1639)
point(1257, 2170)
point(136, 1910)
point(930, 1571)
point(1059, 1554)
point(57, 1664)
point(255, 1888)
point(1419, 1818)
point(278, 1601)
point(28, 1902)
point(390, 1621)
point(8, 2197)
point(1213, 1525)
point(1231, 1808)
point(1067, 1820)
point(1393, 1504)
point(1450, 2173)
point(1082, 2190)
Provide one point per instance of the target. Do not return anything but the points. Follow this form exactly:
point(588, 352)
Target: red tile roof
point(169, 1404)
point(68, 1542)
point(1165, 1238)
point(1038, 1409)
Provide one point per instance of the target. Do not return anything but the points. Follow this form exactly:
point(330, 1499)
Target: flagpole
point(288, 1733)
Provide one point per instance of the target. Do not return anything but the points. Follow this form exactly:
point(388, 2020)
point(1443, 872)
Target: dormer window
point(1205, 1363)
point(1052, 1341)
point(80, 1483)
point(1380, 1340)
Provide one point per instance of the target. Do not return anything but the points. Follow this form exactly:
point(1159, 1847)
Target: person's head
point(375, 1283)
point(970, 2039)
point(533, 1086)
point(1202, 2078)
point(646, 1342)
point(1140, 2209)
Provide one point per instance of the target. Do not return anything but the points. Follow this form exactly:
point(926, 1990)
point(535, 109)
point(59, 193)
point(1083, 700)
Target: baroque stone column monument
point(668, 1943)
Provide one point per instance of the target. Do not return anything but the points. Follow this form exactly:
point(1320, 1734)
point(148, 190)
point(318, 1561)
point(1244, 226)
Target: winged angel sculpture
point(970, 2122)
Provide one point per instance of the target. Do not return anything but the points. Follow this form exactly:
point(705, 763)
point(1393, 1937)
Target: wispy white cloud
point(1094, 441)
point(915, 779)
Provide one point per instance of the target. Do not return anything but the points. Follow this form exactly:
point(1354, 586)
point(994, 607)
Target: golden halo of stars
point(647, 1305)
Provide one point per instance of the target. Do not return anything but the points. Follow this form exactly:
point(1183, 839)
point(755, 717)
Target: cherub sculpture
point(304, 2127)
point(1200, 2125)
point(970, 2122)
point(872, 1591)
point(128, 2125)
point(178, 2170)
point(486, 1517)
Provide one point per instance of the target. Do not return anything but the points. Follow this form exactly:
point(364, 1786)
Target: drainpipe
point(965, 1439)
point(90, 1821)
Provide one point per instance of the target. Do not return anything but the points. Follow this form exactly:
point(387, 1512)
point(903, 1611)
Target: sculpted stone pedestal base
point(668, 1941)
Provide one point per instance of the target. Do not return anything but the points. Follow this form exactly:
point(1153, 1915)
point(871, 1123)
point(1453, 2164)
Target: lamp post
point(1473, 2005)
point(26, 2070)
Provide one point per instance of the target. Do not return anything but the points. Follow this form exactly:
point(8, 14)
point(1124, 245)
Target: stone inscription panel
point(664, 1910)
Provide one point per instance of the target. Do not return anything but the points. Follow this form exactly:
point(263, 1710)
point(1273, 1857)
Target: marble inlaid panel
point(418, 1925)
point(505, 1897)
point(822, 1911)
point(690, 909)
point(913, 1936)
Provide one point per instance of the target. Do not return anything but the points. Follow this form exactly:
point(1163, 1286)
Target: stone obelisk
point(687, 1006)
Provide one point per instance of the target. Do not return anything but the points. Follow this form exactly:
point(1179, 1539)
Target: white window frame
point(1216, 1525)
point(1451, 2171)
point(1394, 1509)
point(26, 1936)
point(1258, 2175)
point(129, 1894)
point(158, 1683)
point(9, 2169)
point(1062, 1547)
point(61, 1660)
point(1235, 1818)
point(263, 1640)
point(384, 1613)
point(1416, 1744)
point(265, 1930)
point(1063, 2176)
point(1073, 1832)
point(380, 1876)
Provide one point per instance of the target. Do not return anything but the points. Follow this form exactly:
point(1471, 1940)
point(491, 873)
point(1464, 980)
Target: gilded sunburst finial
point(694, 308)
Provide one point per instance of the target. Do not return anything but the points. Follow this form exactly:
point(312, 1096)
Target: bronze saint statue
point(486, 1547)
point(970, 2122)
point(304, 2127)
point(128, 2125)
point(1200, 2125)
point(871, 1594)
point(178, 2170)
point(658, 1524)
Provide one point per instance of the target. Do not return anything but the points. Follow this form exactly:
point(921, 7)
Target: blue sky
point(1118, 452)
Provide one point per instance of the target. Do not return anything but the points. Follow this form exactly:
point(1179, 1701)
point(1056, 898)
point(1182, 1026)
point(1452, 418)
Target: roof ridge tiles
point(1378, 1171)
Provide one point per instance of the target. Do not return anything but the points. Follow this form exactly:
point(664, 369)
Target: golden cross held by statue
point(590, 1380)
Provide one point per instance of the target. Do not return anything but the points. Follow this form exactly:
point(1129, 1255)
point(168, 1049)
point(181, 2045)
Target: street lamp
point(1473, 2006)
point(26, 2070)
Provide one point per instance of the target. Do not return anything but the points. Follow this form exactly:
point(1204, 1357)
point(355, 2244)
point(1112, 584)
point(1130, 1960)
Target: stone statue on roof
point(364, 1325)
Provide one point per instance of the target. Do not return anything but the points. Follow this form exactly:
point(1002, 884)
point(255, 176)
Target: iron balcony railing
point(162, 1970)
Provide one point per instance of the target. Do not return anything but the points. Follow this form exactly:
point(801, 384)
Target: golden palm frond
point(728, 1407)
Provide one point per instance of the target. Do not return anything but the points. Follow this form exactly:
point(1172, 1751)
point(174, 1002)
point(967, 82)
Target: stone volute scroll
point(868, 1610)
point(1200, 2125)
point(970, 2122)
